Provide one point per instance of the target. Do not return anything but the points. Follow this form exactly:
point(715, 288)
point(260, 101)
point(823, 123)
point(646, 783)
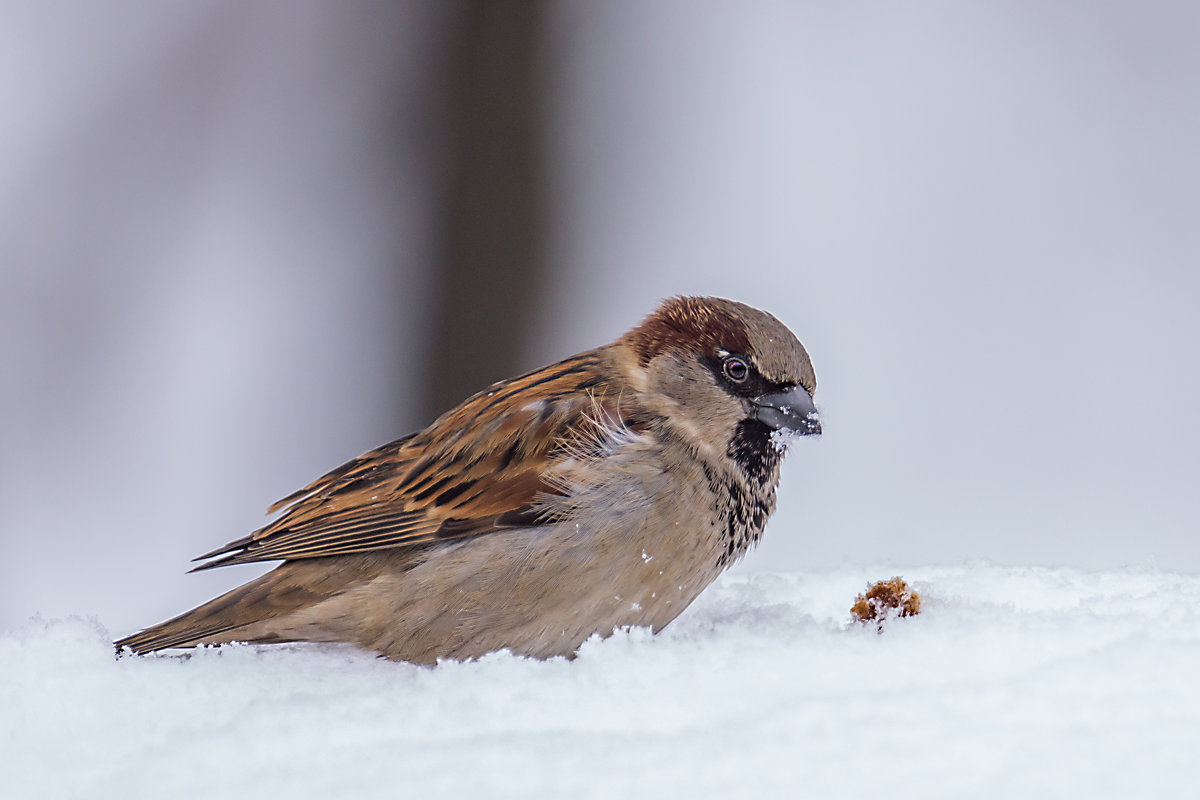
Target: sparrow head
point(728, 375)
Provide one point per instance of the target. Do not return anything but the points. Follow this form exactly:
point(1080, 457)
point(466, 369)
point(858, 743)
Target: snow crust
point(1012, 682)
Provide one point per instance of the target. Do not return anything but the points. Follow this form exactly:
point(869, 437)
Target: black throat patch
point(751, 447)
point(745, 507)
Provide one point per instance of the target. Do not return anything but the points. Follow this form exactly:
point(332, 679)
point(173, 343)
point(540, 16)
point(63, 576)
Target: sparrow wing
point(480, 468)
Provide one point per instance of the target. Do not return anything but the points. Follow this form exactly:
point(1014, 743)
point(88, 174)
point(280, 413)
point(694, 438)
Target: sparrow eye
point(735, 369)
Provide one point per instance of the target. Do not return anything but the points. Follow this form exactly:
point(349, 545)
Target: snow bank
point(1012, 682)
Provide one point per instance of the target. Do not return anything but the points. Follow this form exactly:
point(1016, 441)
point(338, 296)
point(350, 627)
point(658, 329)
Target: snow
point(1011, 682)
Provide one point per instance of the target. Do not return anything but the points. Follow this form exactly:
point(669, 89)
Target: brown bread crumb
point(886, 599)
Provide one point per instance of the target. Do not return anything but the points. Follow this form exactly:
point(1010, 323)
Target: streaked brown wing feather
point(479, 468)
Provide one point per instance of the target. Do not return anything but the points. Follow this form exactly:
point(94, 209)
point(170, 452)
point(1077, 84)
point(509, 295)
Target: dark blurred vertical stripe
point(491, 259)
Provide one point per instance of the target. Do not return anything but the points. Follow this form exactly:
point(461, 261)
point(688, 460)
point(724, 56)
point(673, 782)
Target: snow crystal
point(781, 438)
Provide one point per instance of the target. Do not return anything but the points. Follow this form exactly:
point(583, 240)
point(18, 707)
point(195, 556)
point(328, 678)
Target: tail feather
point(232, 610)
point(289, 587)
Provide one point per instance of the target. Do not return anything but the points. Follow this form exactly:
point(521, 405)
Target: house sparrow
point(603, 491)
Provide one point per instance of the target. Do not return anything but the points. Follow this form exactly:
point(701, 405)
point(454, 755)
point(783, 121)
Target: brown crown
point(688, 324)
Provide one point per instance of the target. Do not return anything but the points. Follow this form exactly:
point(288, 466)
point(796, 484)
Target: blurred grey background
point(243, 242)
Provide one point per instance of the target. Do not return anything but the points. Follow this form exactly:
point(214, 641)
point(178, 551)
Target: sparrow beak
point(793, 410)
